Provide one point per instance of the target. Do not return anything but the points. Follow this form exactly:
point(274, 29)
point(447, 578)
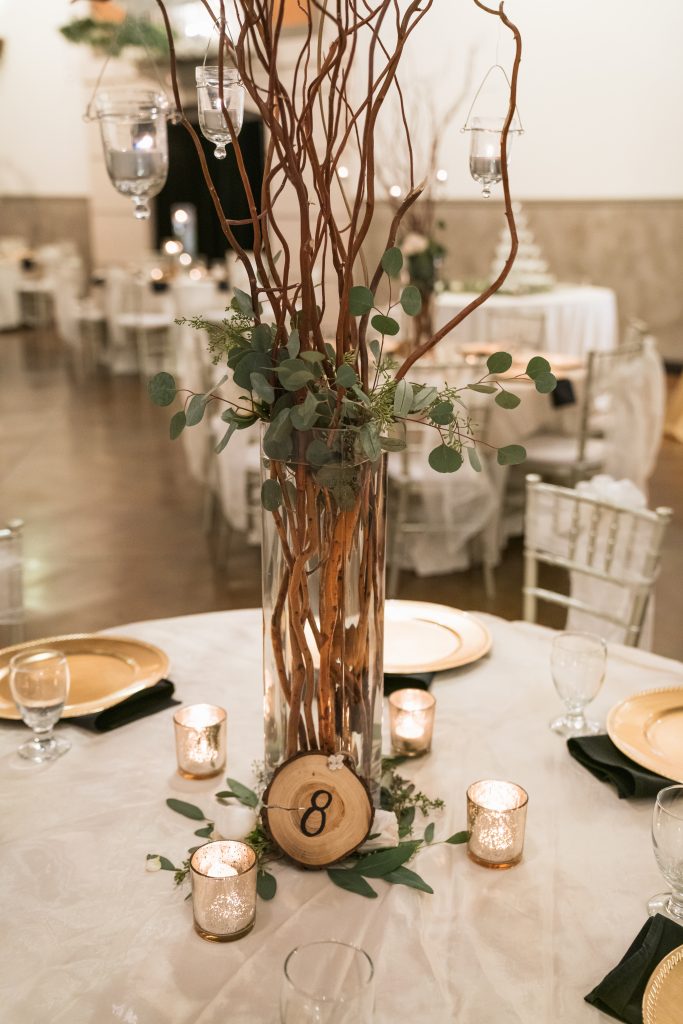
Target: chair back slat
point(11, 584)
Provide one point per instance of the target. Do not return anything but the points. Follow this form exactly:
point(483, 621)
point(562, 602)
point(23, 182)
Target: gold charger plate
point(104, 671)
point(648, 728)
point(663, 997)
point(424, 637)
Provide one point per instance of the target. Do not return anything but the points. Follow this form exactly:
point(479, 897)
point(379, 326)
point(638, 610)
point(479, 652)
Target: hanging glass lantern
point(135, 143)
point(486, 133)
point(211, 119)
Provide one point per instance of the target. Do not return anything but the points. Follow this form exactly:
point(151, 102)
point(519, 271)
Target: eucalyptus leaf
point(162, 388)
point(441, 413)
point(303, 416)
point(457, 838)
point(392, 444)
point(361, 300)
point(251, 362)
point(499, 362)
point(545, 383)
point(262, 338)
point(177, 424)
point(482, 389)
point(195, 410)
point(511, 455)
point(444, 459)
point(392, 262)
point(376, 349)
point(346, 376)
point(507, 400)
point(188, 810)
point(222, 444)
point(205, 832)
point(243, 302)
point(385, 325)
point(361, 396)
point(403, 399)
point(429, 832)
point(271, 495)
point(405, 821)
point(266, 884)
point(262, 388)
point(424, 396)
point(537, 365)
point(351, 881)
point(294, 344)
point(404, 876)
point(245, 795)
point(318, 454)
point(475, 461)
point(312, 356)
point(381, 862)
point(369, 436)
point(411, 300)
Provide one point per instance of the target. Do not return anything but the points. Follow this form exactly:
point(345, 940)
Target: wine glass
point(667, 842)
point(486, 165)
point(211, 119)
point(39, 683)
point(135, 143)
point(327, 983)
point(577, 664)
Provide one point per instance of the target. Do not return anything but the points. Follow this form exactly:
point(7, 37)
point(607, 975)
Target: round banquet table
point(90, 936)
point(577, 318)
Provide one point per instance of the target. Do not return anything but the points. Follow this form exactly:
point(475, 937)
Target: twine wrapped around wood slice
point(317, 809)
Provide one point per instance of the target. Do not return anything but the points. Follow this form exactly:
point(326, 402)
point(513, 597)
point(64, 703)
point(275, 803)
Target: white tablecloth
point(578, 318)
point(89, 937)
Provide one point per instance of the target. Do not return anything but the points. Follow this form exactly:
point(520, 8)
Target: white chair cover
point(10, 279)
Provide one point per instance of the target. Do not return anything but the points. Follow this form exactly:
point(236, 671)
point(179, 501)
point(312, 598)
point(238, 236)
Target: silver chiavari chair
point(597, 542)
point(11, 584)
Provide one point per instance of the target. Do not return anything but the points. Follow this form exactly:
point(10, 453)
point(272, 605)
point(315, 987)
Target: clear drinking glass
point(211, 119)
point(39, 683)
point(135, 143)
point(486, 165)
point(327, 983)
point(577, 664)
point(667, 841)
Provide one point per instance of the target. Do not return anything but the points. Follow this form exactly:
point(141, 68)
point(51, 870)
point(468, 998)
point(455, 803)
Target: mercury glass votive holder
point(496, 820)
point(200, 740)
point(411, 719)
point(223, 890)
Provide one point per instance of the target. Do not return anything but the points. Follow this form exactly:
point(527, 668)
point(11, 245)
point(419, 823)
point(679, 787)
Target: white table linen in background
point(578, 318)
point(10, 281)
point(89, 937)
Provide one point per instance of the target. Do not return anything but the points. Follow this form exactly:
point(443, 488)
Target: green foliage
point(195, 410)
point(351, 881)
point(266, 884)
point(385, 325)
point(411, 300)
point(507, 400)
point(346, 376)
point(361, 300)
point(245, 795)
point(499, 362)
point(110, 38)
point(458, 838)
point(271, 495)
point(445, 459)
point(511, 455)
point(403, 399)
point(162, 388)
point(392, 262)
point(187, 810)
point(177, 424)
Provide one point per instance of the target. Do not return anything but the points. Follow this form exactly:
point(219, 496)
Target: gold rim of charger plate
point(439, 615)
point(663, 996)
point(9, 712)
point(645, 755)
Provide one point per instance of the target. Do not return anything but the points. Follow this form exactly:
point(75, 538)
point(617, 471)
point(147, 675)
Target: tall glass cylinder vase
point(323, 563)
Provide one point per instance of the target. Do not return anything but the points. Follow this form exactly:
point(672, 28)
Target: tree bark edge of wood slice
point(317, 815)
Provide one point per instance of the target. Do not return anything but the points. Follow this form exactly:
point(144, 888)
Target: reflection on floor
point(114, 522)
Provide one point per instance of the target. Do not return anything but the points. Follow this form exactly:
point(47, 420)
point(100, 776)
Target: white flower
point(413, 244)
point(233, 821)
point(153, 864)
point(335, 762)
point(384, 829)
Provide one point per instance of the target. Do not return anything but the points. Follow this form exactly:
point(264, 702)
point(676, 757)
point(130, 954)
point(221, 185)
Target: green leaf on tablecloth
point(429, 832)
point(475, 461)
point(188, 810)
point(205, 832)
point(511, 455)
point(361, 300)
point(506, 400)
point(405, 821)
point(499, 362)
point(266, 885)
point(457, 838)
point(195, 410)
point(271, 495)
point(193, 849)
point(411, 300)
point(351, 881)
point(545, 383)
point(177, 424)
point(245, 795)
point(162, 388)
point(381, 862)
point(404, 876)
point(165, 863)
point(444, 459)
point(537, 365)
point(392, 261)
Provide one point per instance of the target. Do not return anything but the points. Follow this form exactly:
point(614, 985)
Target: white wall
point(600, 89)
point(42, 143)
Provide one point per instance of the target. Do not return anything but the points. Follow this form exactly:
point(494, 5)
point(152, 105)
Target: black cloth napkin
point(603, 760)
point(563, 393)
point(138, 705)
point(418, 681)
point(620, 993)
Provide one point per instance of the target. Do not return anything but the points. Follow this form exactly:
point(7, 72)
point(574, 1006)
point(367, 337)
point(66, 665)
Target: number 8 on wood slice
point(317, 809)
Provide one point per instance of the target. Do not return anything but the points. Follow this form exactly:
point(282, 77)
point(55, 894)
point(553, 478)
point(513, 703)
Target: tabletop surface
point(558, 294)
point(89, 936)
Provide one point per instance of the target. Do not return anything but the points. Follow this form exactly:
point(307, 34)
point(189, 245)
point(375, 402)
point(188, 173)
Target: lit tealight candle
point(411, 714)
point(223, 890)
point(200, 739)
point(496, 820)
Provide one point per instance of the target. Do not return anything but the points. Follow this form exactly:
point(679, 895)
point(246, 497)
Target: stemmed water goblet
point(327, 983)
point(667, 842)
point(577, 664)
point(39, 684)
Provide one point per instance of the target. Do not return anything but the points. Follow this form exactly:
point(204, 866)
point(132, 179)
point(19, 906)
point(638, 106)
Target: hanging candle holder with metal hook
point(486, 161)
point(209, 109)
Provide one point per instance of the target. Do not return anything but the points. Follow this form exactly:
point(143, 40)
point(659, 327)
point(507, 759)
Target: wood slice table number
point(317, 809)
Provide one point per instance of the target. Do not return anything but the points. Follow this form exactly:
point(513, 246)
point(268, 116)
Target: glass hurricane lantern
point(211, 118)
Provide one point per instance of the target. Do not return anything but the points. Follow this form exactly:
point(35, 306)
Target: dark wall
point(185, 184)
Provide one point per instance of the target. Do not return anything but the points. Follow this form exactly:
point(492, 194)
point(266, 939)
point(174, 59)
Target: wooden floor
point(114, 522)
